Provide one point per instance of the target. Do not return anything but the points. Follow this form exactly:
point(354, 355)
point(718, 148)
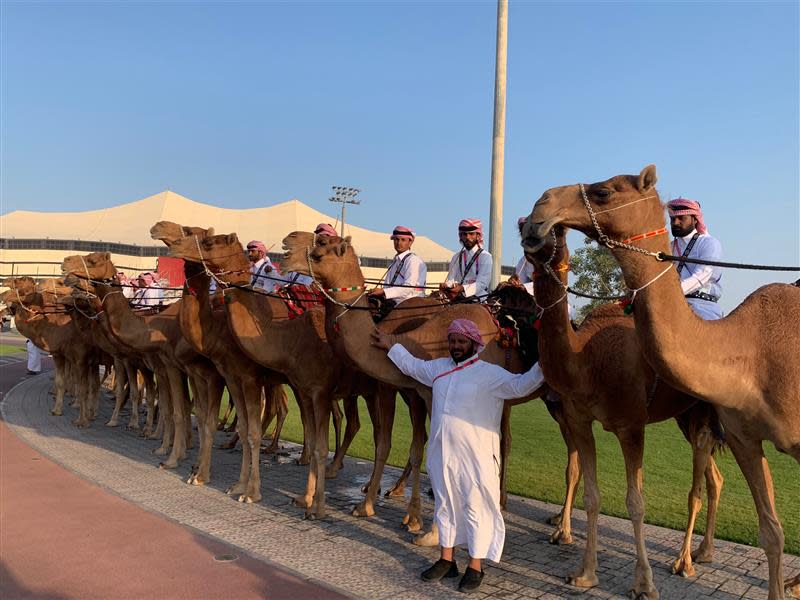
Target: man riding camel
point(406, 275)
point(470, 272)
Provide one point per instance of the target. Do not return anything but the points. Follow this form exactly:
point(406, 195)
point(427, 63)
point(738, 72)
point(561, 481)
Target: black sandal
point(441, 569)
point(471, 580)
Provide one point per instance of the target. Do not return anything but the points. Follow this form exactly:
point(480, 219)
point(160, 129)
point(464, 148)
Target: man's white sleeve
point(701, 274)
point(518, 386)
point(452, 273)
point(416, 368)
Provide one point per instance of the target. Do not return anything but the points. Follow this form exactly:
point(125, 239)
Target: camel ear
point(647, 178)
point(231, 239)
point(210, 231)
point(341, 248)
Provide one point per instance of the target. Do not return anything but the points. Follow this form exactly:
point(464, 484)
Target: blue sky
point(248, 104)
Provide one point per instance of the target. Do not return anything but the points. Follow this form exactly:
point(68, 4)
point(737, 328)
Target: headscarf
point(521, 220)
point(469, 330)
point(257, 245)
point(326, 229)
point(401, 231)
point(684, 206)
point(148, 277)
point(471, 225)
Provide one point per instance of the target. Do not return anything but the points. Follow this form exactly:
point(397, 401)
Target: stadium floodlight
point(344, 195)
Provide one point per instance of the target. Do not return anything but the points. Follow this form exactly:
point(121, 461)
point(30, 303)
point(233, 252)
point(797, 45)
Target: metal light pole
point(345, 195)
point(498, 144)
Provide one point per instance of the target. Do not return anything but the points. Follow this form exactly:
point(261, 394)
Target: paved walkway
point(367, 558)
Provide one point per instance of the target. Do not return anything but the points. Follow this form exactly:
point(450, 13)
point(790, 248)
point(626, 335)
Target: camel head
point(78, 269)
point(53, 290)
point(169, 232)
point(623, 206)
point(219, 253)
point(330, 260)
point(23, 285)
point(552, 251)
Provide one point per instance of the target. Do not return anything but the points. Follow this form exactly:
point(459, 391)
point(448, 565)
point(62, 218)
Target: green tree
point(597, 273)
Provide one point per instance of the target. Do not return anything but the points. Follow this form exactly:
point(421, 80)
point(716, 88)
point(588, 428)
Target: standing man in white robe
point(700, 283)
point(34, 358)
point(470, 272)
point(463, 455)
point(405, 277)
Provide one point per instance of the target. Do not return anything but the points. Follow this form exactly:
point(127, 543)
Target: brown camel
point(747, 364)
point(263, 329)
point(600, 373)
point(157, 334)
point(332, 263)
point(40, 319)
point(248, 382)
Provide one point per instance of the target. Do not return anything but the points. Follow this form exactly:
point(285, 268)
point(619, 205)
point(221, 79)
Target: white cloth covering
point(265, 275)
point(34, 357)
point(524, 271)
point(463, 455)
point(152, 295)
point(477, 279)
point(701, 278)
point(410, 270)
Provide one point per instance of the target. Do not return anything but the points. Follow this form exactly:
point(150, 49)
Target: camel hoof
point(554, 520)
point(82, 423)
point(396, 492)
point(55, 413)
point(560, 537)
point(132, 427)
point(303, 461)
point(363, 510)
point(167, 465)
point(112, 423)
point(160, 451)
point(634, 595)
point(683, 568)
point(582, 581)
point(331, 473)
point(269, 450)
point(702, 556)
point(427, 540)
point(235, 490)
point(301, 502)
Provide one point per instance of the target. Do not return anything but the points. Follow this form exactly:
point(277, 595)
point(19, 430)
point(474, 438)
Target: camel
point(52, 329)
point(159, 336)
point(583, 369)
point(263, 329)
point(207, 331)
point(746, 365)
point(333, 264)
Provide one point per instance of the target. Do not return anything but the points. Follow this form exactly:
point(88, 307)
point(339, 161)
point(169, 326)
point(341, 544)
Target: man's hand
point(378, 292)
point(382, 340)
point(456, 289)
point(514, 280)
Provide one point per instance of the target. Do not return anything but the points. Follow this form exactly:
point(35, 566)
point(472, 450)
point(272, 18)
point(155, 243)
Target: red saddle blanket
point(299, 298)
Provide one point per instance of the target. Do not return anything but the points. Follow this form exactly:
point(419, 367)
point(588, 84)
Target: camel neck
point(559, 353)
point(674, 340)
point(122, 323)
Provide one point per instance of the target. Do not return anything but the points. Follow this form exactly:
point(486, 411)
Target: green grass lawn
point(6, 349)
point(538, 459)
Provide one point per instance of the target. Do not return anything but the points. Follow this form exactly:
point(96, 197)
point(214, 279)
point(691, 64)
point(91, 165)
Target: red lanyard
point(458, 368)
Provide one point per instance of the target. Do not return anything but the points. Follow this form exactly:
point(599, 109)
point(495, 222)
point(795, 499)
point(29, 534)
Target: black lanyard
point(257, 274)
point(469, 265)
point(399, 268)
point(689, 247)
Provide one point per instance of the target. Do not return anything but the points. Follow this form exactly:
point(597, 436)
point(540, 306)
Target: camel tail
point(718, 431)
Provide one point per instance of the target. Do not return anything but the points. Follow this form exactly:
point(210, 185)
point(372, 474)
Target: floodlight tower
point(345, 196)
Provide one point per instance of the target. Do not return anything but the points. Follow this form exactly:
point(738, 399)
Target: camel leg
point(572, 475)
point(308, 429)
point(322, 424)
point(632, 443)
point(254, 405)
point(336, 413)
point(307, 415)
point(350, 431)
point(177, 396)
point(235, 396)
point(714, 481)
point(383, 421)
point(223, 421)
point(413, 519)
point(399, 487)
point(165, 421)
point(581, 433)
point(702, 445)
point(120, 379)
point(749, 455)
point(82, 374)
point(60, 385)
point(134, 393)
point(280, 408)
point(150, 391)
point(207, 427)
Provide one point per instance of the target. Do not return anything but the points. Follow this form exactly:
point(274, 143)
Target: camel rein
point(661, 256)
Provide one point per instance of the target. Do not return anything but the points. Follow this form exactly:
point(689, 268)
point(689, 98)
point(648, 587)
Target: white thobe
point(264, 275)
point(295, 278)
point(407, 269)
point(477, 278)
point(34, 357)
point(152, 295)
point(463, 455)
point(701, 278)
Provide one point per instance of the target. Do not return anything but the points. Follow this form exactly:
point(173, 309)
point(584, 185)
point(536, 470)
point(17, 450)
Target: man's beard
point(458, 357)
point(678, 231)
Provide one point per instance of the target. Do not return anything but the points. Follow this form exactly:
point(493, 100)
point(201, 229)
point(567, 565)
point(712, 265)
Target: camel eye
point(602, 193)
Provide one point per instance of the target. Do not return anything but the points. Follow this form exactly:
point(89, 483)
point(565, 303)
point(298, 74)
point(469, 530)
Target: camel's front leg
point(702, 446)
point(134, 393)
point(235, 395)
point(207, 427)
point(178, 393)
point(60, 385)
point(82, 374)
point(632, 443)
point(254, 402)
point(307, 415)
point(351, 429)
point(572, 476)
point(749, 455)
point(383, 421)
point(581, 433)
point(120, 379)
point(322, 423)
point(307, 419)
point(714, 481)
point(280, 409)
point(419, 411)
